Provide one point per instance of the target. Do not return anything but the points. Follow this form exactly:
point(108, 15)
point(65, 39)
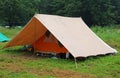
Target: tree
point(60, 7)
point(17, 12)
point(98, 12)
point(43, 6)
point(93, 12)
point(116, 4)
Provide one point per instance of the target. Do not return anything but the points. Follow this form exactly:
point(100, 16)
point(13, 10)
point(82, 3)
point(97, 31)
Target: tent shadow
point(82, 59)
point(26, 53)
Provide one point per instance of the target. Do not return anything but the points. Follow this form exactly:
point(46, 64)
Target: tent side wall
point(29, 34)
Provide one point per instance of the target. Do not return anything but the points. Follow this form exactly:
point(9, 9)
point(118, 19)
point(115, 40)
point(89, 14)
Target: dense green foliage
point(16, 12)
point(94, 12)
point(15, 63)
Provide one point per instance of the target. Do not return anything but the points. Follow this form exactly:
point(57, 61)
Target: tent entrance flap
point(48, 43)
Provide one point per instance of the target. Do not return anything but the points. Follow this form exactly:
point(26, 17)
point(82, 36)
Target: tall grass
point(110, 35)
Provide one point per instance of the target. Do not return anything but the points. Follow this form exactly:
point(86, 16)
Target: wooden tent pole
point(75, 63)
point(34, 35)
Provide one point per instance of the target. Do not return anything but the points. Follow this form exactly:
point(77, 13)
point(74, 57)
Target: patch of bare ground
point(22, 57)
point(13, 67)
point(57, 73)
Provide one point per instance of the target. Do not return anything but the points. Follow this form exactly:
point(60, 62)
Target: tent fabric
point(30, 33)
point(71, 32)
point(3, 38)
point(48, 44)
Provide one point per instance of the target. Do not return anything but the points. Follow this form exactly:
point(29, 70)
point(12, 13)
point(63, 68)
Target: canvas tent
point(52, 33)
point(3, 38)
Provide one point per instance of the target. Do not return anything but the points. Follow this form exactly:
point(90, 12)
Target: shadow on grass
point(24, 53)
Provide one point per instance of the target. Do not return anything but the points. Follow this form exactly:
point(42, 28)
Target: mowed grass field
point(15, 63)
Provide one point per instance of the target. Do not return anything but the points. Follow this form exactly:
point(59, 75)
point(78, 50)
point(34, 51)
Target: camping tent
point(3, 38)
point(52, 33)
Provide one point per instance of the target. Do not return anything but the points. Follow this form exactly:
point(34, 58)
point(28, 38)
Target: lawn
point(15, 63)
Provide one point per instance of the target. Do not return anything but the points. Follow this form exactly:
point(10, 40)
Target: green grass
point(15, 63)
point(110, 35)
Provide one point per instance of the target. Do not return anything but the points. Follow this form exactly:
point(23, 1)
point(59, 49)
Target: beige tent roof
point(73, 33)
